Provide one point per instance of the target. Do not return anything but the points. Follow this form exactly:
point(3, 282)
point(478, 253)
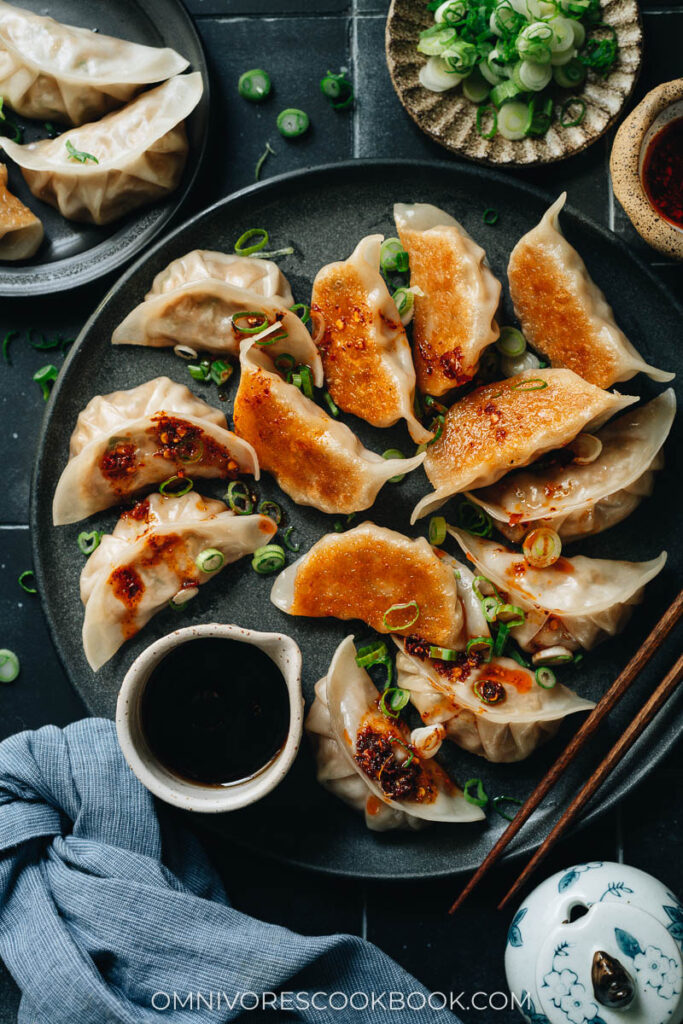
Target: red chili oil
point(215, 711)
point(662, 172)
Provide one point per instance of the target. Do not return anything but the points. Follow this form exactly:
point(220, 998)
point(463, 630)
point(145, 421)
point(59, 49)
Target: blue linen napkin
point(106, 912)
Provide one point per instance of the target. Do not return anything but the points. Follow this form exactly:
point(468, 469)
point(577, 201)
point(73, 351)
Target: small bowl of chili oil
point(210, 717)
point(647, 168)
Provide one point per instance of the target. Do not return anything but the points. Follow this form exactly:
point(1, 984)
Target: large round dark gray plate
point(71, 253)
point(323, 213)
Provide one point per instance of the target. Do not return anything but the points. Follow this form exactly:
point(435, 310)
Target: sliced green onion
point(292, 122)
point(511, 342)
point(6, 341)
point(482, 112)
point(270, 558)
point(545, 677)
point(501, 639)
point(489, 691)
point(78, 155)
point(376, 654)
point(268, 151)
point(221, 372)
point(534, 42)
point(306, 381)
point(578, 106)
point(490, 216)
point(541, 115)
point(270, 509)
point(530, 76)
point(185, 352)
point(256, 321)
point(27, 574)
point(473, 519)
point(570, 75)
point(238, 497)
point(433, 41)
point(443, 653)
point(489, 583)
point(518, 657)
point(437, 530)
point(530, 384)
point(600, 54)
point(557, 655)
point(498, 801)
point(515, 120)
point(241, 247)
point(405, 300)
point(284, 362)
point(305, 314)
point(479, 799)
point(476, 88)
point(512, 614)
point(199, 371)
point(394, 453)
point(397, 700)
point(393, 259)
point(399, 608)
point(176, 486)
point(254, 85)
point(288, 542)
point(46, 376)
point(542, 547)
point(9, 666)
point(490, 606)
point(480, 645)
point(88, 541)
point(502, 94)
point(331, 405)
point(338, 90)
point(180, 600)
point(460, 56)
point(210, 560)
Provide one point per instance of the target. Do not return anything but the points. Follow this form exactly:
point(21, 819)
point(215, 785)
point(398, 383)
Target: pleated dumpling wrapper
point(458, 297)
point(162, 550)
point(219, 317)
point(509, 423)
point(563, 313)
point(513, 716)
point(365, 351)
point(21, 232)
point(131, 440)
point(315, 459)
point(260, 277)
point(101, 171)
point(575, 603)
point(581, 497)
point(57, 72)
point(371, 761)
point(394, 584)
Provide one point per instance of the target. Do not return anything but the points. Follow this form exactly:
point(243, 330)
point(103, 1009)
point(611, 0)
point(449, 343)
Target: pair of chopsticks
point(624, 743)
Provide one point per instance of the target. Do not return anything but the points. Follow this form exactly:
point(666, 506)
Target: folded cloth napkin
point(107, 910)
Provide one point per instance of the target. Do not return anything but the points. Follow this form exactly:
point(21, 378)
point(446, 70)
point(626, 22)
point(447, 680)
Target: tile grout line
point(619, 834)
point(364, 914)
point(353, 54)
point(14, 526)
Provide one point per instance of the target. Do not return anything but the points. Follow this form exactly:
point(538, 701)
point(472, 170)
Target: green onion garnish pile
point(512, 57)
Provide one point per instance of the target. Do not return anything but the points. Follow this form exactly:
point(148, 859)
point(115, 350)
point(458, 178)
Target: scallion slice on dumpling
point(153, 557)
point(58, 72)
point(507, 424)
point(457, 301)
point(577, 602)
point(562, 311)
point(366, 355)
point(315, 459)
point(580, 498)
point(394, 584)
point(366, 758)
point(131, 440)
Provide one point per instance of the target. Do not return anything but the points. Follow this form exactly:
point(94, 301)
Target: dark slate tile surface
point(302, 39)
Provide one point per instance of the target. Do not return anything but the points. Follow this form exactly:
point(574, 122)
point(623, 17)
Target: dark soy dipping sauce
point(663, 172)
point(215, 711)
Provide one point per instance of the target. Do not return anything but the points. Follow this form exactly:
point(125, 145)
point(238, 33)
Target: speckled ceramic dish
point(323, 213)
point(450, 119)
point(660, 106)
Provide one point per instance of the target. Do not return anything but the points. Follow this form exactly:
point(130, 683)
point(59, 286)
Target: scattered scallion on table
point(239, 498)
point(292, 122)
point(268, 559)
point(268, 151)
point(88, 541)
point(46, 376)
point(479, 797)
point(9, 666)
point(338, 90)
point(254, 85)
point(26, 581)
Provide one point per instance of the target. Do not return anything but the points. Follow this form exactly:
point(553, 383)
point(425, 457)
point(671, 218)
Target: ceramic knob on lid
point(599, 943)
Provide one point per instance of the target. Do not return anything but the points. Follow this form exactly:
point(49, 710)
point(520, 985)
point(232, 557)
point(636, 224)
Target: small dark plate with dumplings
point(323, 213)
point(72, 253)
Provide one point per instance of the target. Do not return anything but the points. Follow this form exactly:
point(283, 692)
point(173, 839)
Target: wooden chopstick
point(616, 691)
point(623, 744)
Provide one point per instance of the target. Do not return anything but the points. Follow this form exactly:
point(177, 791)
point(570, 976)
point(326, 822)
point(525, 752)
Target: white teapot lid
point(599, 943)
